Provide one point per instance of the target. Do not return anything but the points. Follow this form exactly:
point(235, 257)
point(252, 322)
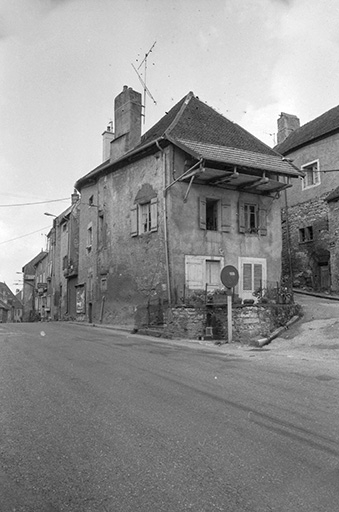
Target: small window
point(251, 218)
point(306, 234)
point(103, 284)
point(89, 238)
point(91, 201)
point(144, 218)
point(212, 214)
point(312, 175)
point(65, 263)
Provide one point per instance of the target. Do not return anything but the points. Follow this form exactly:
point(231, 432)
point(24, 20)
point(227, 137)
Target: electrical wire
point(22, 236)
point(39, 202)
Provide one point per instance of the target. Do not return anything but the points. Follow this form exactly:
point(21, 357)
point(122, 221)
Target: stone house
point(165, 211)
point(29, 287)
point(41, 304)
point(62, 265)
point(310, 248)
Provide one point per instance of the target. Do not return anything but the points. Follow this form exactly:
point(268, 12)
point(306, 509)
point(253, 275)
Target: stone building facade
point(309, 240)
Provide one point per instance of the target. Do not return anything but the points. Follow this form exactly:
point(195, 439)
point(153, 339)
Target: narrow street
point(97, 420)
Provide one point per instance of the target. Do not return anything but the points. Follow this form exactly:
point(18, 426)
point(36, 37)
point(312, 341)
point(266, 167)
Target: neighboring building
point(62, 263)
point(40, 287)
point(10, 305)
point(310, 243)
point(164, 212)
point(29, 288)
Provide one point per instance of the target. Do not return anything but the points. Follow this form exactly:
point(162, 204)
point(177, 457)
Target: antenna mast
point(143, 80)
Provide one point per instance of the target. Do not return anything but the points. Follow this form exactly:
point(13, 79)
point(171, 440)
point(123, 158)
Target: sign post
point(229, 277)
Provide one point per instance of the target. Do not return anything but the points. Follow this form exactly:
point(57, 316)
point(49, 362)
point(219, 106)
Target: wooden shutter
point(262, 221)
point(195, 272)
point(134, 220)
point(247, 276)
point(257, 276)
point(225, 217)
point(241, 219)
point(202, 212)
point(154, 214)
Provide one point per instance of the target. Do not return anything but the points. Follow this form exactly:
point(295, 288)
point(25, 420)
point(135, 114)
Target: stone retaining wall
point(249, 322)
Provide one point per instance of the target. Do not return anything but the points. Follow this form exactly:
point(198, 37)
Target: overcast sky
point(62, 62)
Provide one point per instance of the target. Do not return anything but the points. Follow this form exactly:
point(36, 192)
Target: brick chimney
point(287, 123)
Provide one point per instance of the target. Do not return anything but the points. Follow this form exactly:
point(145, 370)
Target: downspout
point(169, 298)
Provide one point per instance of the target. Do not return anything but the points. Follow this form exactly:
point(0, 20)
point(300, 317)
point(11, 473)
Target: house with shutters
point(310, 219)
point(166, 210)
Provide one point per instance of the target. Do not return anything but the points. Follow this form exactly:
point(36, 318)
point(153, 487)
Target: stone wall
point(248, 322)
point(306, 256)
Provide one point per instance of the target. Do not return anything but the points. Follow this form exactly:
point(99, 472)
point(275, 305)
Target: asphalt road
point(93, 420)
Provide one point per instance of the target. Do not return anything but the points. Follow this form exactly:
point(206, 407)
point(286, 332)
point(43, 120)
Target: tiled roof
point(29, 267)
point(319, 127)
point(242, 158)
point(192, 120)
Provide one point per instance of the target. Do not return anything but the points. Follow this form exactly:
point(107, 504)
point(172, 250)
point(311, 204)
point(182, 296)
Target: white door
point(252, 276)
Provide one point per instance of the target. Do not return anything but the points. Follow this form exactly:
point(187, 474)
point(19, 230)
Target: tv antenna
point(143, 80)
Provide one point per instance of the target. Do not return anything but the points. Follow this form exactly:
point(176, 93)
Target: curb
point(265, 341)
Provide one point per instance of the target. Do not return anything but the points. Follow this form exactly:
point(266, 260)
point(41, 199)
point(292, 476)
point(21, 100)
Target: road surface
point(95, 420)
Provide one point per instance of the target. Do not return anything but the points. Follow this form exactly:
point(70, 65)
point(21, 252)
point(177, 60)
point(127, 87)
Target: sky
point(62, 62)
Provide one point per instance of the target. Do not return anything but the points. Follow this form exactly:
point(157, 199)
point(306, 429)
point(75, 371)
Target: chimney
point(107, 138)
point(287, 123)
point(127, 117)
point(74, 197)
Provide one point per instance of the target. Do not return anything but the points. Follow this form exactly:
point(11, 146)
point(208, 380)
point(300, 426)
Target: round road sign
point(229, 276)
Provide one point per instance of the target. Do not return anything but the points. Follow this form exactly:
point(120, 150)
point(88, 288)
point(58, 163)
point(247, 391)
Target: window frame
point(246, 260)
point(136, 217)
point(306, 234)
point(317, 181)
point(201, 261)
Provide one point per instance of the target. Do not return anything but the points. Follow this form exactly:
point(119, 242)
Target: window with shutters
point(214, 215)
point(203, 272)
point(252, 218)
point(144, 217)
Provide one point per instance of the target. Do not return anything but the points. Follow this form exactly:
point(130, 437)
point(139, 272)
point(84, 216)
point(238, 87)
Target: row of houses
point(164, 212)
point(11, 307)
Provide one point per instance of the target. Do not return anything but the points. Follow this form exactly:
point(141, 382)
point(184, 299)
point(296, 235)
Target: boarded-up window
point(213, 273)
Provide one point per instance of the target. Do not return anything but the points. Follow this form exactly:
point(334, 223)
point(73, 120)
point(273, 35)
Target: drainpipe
point(163, 159)
point(288, 239)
